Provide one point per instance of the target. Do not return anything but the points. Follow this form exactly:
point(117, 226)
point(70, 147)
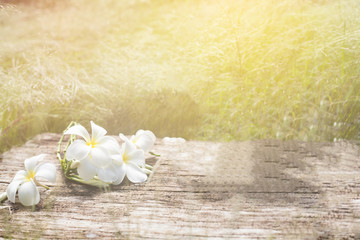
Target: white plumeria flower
point(25, 182)
point(93, 153)
point(143, 139)
point(131, 161)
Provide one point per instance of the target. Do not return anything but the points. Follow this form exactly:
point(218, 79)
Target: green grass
point(213, 70)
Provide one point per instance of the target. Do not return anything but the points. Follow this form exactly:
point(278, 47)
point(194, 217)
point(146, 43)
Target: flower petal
point(13, 186)
point(145, 141)
point(28, 194)
point(148, 133)
point(128, 147)
point(137, 157)
point(117, 158)
point(151, 134)
point(108, 174)
point(97, 131)
point(109, 143)
point(100, 157)
point(86, 169)
point(135, 174)
point(12, 189)
point(120, 172)
point(47, 171)
point(30, 163)
point(78, 150)
point(123, 137)
point(80, 131)
point(20, 176)
point(139, 132)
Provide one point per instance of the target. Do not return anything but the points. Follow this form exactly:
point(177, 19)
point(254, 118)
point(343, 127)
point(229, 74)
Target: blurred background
point(208, 70)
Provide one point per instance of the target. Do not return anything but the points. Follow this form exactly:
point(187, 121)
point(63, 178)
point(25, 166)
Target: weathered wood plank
point(201, 190)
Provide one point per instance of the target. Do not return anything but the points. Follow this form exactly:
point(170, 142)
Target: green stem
point(63, 162)
point(58, 153)
point(3, 197)
point(41, 185)
point(147, 171)
point(154, 154)
point(93, 182)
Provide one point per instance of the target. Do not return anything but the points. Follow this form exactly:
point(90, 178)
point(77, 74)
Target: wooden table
point(200, 190)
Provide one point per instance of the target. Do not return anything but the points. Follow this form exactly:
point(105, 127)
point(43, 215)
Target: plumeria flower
point(143, 139)
point(131, 161)
point(93, 153)
point(25, 182)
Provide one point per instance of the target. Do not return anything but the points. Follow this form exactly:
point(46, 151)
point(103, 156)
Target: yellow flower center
point(30, 175)
point(125, 158)
point(92, 143)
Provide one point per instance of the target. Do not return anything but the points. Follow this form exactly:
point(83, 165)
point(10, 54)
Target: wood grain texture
point(200, 190)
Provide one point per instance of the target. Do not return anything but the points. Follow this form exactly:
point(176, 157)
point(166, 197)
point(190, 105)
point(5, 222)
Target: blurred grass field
point(211, 70)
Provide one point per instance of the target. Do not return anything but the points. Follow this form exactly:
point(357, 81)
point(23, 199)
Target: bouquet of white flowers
point(99, 160)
